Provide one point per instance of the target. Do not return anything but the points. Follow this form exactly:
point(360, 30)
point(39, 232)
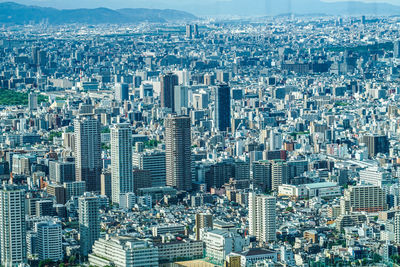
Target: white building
point(49, 240)
point(258, 257)
point(89, 221)
point(174, 250)
point(220, 243)
point(121, 161)
point(325, 189)
point(12, 226)
point(123, 251)
point(127, 200)
point(375, 176)
point(168, 228)
point(262, 217)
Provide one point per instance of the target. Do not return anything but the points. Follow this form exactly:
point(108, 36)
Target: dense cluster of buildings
point(270, 143)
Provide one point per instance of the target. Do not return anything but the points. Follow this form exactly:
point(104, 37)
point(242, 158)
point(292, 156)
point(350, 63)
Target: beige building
point(367, 198)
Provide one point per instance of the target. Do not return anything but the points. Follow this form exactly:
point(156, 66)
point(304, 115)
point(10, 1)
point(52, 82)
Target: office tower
point(270, 174)
point(32, 101)
point(62, 171)
point(168, 83)
point(397, 227)
point(106, 184)
point(121, 160)
point(89, 221)
point(178, 152)
point(74, 189)
point(262, 175)
point(180, 98)
point(195, 31)
point(88, 163)
point(376, 144)
point(44, 207)
point(218, 174)
point(121, 92)
point(57, 191)
point(189, 31)
point(12, 226)
point(396, 48)
point(363, 198)
point(35, 55)
point(141, 179)
point(200, 100)
point(275, 141)
point(222, 112)
point(203, 220)
point(262, 217)
point(154, 162)
point(49, 241)
point(279, 173)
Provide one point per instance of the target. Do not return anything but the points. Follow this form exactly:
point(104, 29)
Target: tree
point(45, 263)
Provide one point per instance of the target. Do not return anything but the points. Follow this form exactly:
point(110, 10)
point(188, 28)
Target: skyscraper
point(180, 98)
point(189, 31)
point(32, 101)
point(49, 240)
point(222, 113)
point(12, 226)
point(121, 160)
point(178, 152)
point(88, 152)
point(262, 217)
point(396, 49)
point(121, 92)
point(89, 221)
point(168, 82)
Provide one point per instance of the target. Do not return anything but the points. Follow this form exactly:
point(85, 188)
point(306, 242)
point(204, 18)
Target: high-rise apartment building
point(270, 174)
point(12, 226)
point(89, 222)
point(168, 83)
point(121, 160)
point(88, 163)
point(363, 198)
point(49, 241)
point(222, 112)
point(262, 217)
point(178, 152)
point(203, 220)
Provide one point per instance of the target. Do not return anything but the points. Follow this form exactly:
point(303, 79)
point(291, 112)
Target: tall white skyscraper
point(12, 226)
point(49, 240)
point(121, 160)
point(88, 165)
point(89, 221)
point(262, 217)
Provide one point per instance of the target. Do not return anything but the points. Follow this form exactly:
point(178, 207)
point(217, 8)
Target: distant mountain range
point(14, 13)
point(168, 10)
